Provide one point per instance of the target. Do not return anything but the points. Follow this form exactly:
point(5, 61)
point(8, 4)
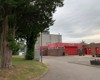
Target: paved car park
point(71, 68)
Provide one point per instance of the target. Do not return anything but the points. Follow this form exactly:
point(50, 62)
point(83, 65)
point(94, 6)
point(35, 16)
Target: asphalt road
point(64, 68)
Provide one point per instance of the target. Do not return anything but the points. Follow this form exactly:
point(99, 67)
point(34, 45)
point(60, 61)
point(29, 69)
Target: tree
point(26, 18)
point(83, 42)
point(46, 31)
point(7, 10)
point(0, 34)
point(34, 20)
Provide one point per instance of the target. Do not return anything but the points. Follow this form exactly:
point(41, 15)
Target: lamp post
point(41, 47)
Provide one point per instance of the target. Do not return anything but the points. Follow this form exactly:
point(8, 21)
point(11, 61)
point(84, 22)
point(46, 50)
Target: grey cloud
point(78, 18)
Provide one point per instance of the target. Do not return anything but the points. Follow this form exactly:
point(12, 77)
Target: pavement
point(71, 68)
point(83, 60)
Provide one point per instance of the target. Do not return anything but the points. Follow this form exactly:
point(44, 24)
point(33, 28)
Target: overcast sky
point(78, 20)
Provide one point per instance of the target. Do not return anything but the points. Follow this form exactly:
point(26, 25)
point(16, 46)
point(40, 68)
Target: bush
point(29, 55)
point(95, 62)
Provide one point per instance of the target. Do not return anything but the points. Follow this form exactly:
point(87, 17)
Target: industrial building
point(69, 48)
point(61, 49)
point(45, 39)
point(92, 49)
point(51, 45)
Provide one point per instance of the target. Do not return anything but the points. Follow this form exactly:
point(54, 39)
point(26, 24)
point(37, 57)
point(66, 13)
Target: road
point(64, 68)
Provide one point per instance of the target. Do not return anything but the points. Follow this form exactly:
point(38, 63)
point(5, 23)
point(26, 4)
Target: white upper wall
point(48, 39)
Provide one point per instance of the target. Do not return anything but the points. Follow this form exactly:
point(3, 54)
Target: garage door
point(89, 51)
point(71, 50)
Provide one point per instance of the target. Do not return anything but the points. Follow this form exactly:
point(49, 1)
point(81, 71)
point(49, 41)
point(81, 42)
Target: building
point(92, 49)
point(47, 39)
point(68, 48)
point(60, 49)
point(51, 44)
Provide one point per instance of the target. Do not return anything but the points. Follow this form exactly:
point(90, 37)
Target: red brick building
point(60, 49)
point(92, 49)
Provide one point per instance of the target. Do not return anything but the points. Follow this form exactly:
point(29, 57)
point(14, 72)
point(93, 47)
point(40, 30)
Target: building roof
point(79, 45)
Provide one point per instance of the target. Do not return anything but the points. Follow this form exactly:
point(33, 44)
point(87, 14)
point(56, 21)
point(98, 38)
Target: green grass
point(23, 69)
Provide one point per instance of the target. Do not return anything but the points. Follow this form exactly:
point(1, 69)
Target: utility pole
point(41, 47)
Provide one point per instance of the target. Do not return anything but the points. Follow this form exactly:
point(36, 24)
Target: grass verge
point(23, 70)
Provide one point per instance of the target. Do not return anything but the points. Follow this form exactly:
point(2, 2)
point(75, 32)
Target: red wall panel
point(89, 51)
point(97, 50)
point(85, 50)
point(71, 50)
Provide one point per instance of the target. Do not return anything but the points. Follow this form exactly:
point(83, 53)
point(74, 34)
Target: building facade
point(92, 49)
point(46, 39)
point(69, 48)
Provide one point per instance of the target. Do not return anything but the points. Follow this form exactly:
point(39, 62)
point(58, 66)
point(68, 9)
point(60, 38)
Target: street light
point(41, 47)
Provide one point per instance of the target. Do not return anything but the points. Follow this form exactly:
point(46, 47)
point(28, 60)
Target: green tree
point(36, 19)
point(0, 35)
point(83, 42)
point(8, 9)
point(46, 31)
point(26, 18)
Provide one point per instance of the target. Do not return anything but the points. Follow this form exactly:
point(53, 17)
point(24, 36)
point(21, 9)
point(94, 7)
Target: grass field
point(23, 69)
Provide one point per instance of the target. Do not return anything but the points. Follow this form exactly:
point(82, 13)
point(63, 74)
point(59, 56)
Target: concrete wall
point(37, 55)
point(48, 39)
point(56, 52)
point(45, 52)
point(53, 52)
